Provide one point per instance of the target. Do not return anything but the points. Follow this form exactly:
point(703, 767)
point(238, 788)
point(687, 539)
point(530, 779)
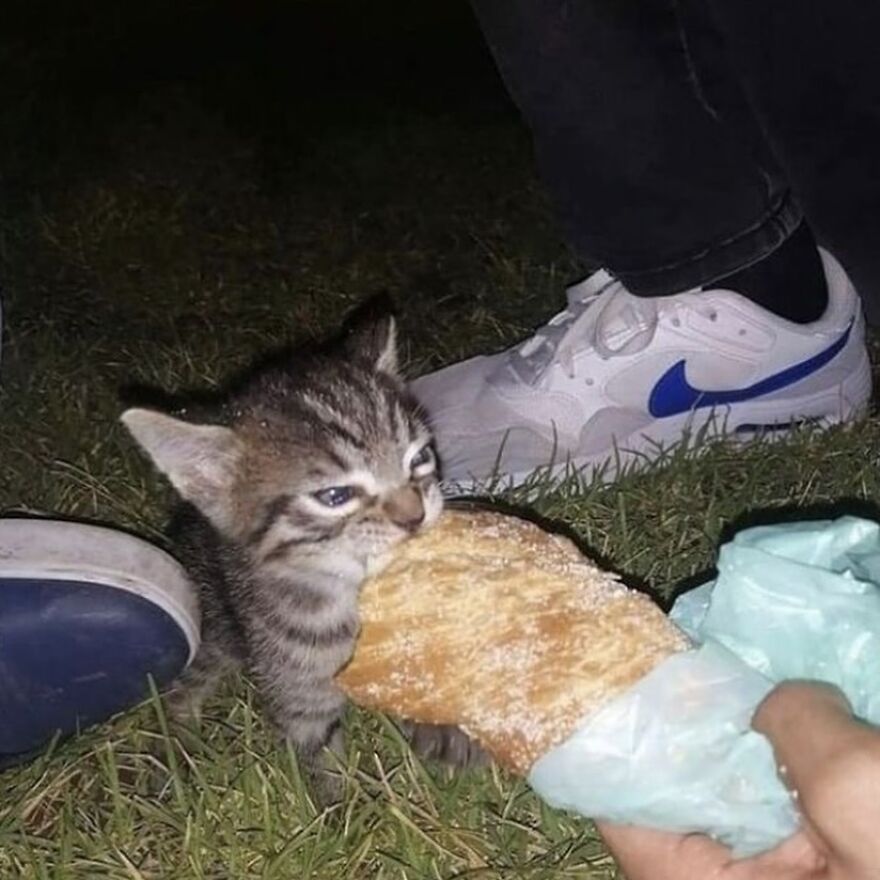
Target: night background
point(186, 186)
point(251, 145)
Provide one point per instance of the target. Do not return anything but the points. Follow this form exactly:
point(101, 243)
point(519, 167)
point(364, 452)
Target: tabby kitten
point(293, 493)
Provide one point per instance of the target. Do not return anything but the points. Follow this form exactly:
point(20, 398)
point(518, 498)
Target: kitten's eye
point(423, 457)
point(335, 496)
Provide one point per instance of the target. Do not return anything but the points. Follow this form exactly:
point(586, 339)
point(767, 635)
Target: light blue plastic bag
point(676, 751)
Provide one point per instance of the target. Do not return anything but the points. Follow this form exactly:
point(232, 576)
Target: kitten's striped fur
point(309, 476)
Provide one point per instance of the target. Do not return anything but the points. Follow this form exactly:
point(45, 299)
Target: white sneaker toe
point(617, 376)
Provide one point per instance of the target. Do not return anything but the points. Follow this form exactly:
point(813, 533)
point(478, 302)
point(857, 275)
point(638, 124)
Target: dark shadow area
point(278, 72)
point(847, 506)
point(851, 506)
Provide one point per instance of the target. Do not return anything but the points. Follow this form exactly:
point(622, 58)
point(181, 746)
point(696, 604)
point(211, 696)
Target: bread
point(490, 623)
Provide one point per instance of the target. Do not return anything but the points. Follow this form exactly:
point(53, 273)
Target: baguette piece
point(490, 623)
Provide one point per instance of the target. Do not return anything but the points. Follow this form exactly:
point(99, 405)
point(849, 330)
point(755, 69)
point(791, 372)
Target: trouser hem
point(724, 258)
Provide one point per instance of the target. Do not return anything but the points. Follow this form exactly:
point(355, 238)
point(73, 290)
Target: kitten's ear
point(376, 342)
point(199, 460)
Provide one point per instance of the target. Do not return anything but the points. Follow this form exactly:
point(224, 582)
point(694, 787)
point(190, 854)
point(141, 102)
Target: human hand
point(829, 760)
point(646, 854)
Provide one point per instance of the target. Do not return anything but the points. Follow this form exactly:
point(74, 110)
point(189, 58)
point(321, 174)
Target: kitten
point(294, 492)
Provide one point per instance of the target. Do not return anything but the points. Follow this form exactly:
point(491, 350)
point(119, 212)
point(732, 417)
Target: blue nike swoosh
point(673, 394)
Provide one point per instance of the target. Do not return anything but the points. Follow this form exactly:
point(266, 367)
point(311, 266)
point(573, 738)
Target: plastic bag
point(676, 751)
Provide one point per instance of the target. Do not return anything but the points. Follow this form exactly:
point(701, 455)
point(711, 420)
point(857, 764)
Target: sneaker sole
point(838, 404)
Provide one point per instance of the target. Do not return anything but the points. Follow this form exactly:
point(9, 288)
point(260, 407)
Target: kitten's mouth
point(379, 562)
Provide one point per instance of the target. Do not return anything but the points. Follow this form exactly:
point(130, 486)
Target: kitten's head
point(329, 455)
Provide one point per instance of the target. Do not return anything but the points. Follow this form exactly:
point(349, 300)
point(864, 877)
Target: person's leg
point(648, 179)
point(811, 72)
point(661, 172)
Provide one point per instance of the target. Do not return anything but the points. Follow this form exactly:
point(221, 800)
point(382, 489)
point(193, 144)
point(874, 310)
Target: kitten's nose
point(404, 508)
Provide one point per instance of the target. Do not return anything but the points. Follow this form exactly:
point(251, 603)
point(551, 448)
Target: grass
point(158, 232)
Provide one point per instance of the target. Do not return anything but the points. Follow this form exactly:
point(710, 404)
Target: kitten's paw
point(323, 774)
point(326, 787)
point(445, 743)
point(183, 707)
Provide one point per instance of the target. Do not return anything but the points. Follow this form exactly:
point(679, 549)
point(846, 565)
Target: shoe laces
point(601, 316)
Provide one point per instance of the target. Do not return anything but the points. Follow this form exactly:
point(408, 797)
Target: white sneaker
point(615, 378)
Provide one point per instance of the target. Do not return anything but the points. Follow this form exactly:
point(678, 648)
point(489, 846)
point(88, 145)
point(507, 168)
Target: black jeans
point(685, 139)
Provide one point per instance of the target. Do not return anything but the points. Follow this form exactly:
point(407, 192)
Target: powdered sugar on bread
point(488, 622)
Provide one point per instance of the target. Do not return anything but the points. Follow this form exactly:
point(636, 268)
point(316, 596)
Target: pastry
point(488, 622)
